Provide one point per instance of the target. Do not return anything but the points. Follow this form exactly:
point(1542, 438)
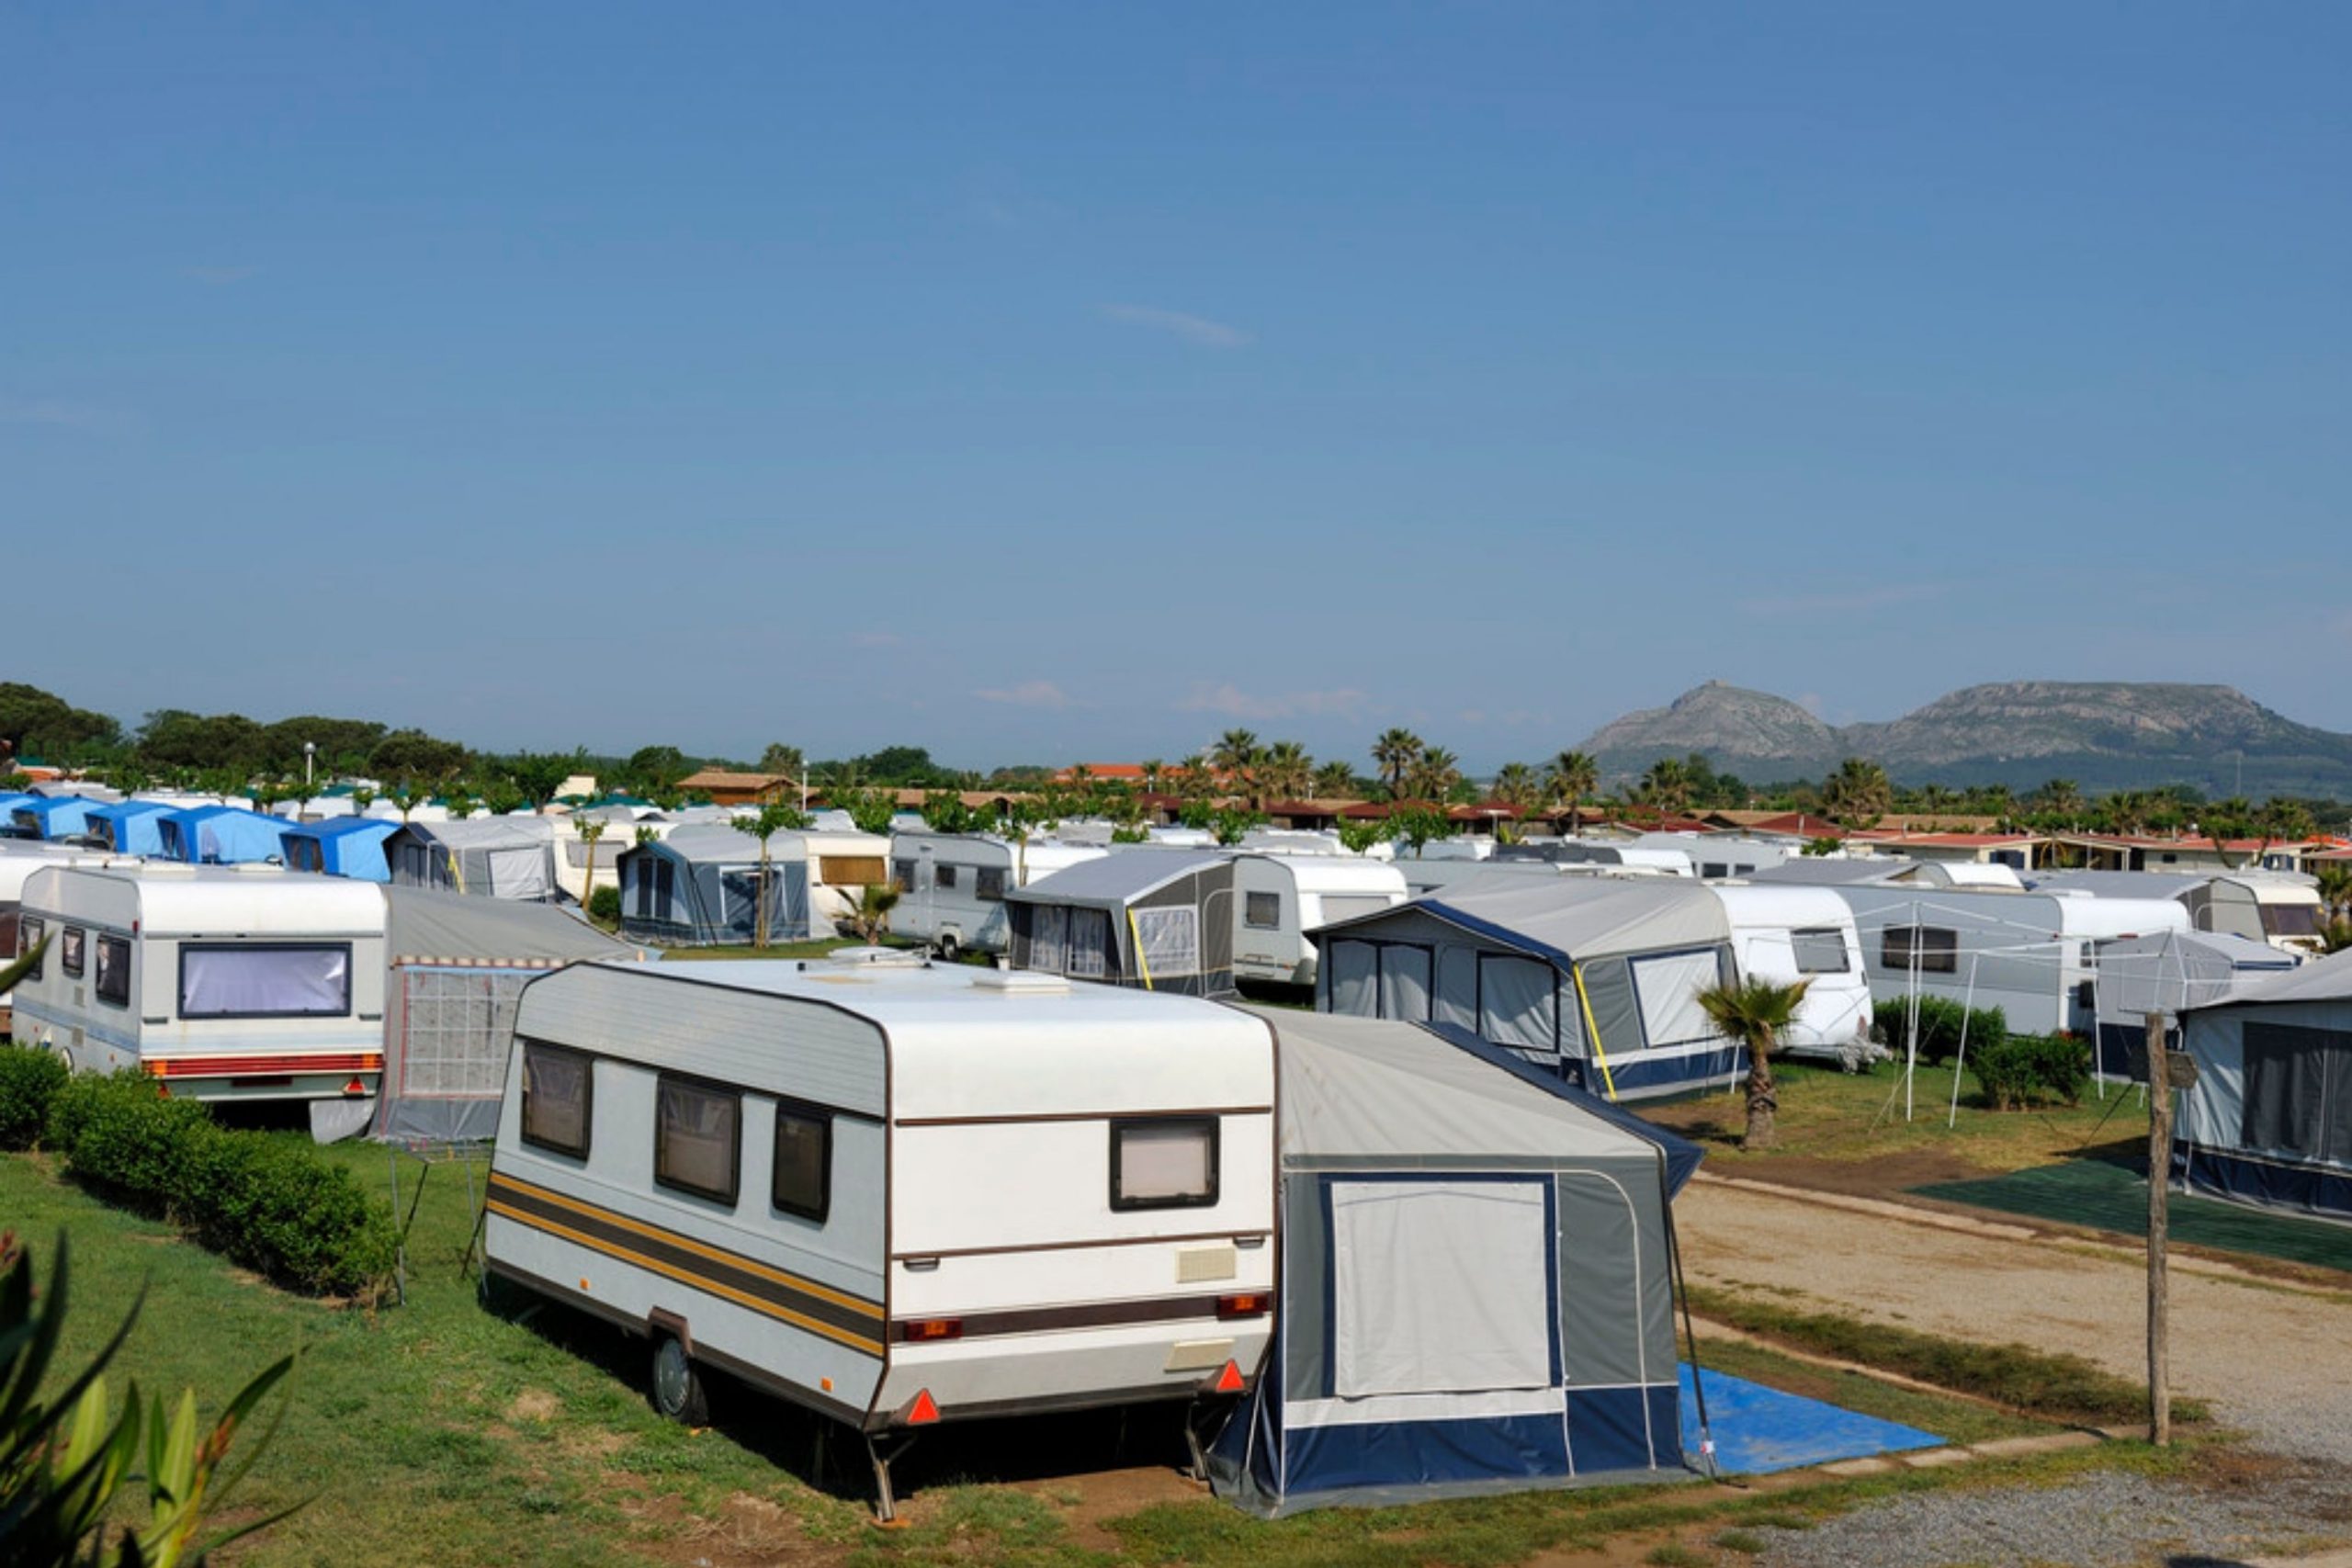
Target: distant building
point(742, 789)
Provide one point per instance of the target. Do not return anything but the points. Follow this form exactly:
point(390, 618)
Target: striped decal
point(1090, 1315)
point(250, 1066)
point(804, 1303)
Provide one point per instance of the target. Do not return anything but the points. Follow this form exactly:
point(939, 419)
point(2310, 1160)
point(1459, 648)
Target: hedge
point(1941, 1023)
point(2015, 1071)
point(30, 1080)
point(270, 1204)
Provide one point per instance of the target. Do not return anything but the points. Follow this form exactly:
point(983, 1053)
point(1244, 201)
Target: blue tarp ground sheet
point(1759, 1430)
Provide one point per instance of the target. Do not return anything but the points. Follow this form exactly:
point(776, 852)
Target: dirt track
point(2276, 1360)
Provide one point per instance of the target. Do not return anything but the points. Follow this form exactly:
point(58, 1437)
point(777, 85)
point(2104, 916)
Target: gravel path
point(2274, 1361)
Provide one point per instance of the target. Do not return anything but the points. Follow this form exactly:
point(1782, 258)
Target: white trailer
point(244, 982)
point(894, 1194)
point(1786, 934)
point(1279, 898)
point(952, 885)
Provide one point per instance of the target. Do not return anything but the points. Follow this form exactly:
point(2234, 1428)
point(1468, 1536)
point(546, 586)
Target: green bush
point(269, 1204)
point(30, 1079)
point(1941, 1020)
point(2021, 1068)
point(604, 905)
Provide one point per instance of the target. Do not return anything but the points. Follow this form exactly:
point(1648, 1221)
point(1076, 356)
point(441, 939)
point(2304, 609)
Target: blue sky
point(1039, 382)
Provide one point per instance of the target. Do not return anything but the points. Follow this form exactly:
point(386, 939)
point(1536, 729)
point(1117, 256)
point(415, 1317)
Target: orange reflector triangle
point(924, 1411)
point(1229, 1380)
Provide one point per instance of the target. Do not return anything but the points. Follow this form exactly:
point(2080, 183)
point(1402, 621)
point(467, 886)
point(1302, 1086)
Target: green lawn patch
point(2056, 1387)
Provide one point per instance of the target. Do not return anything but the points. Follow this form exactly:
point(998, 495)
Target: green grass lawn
point(442, 1432)
point(1827, 1114)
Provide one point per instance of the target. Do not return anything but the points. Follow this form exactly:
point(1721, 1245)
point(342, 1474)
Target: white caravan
point(895, 1195)
point(1279, 898)
point(952, 885)
point(241, 982)
point(1786, 934)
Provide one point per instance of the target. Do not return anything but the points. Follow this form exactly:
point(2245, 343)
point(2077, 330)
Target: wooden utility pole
point(2159, 1188)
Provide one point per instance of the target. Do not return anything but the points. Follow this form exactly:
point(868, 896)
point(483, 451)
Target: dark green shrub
point(30, 1079)
point(270, 1204)
point(604, 905)
point(2021, 1068)
point(1941, 1020)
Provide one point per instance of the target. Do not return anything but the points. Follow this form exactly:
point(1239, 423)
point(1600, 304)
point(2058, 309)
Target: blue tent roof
point(223, 835)
point(131, 827)
point(54, 816)
point(345, 846)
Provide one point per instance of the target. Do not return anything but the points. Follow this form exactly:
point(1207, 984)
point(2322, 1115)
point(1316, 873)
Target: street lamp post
point(310, 749)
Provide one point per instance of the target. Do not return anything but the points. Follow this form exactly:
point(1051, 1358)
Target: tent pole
point(1681, 1286)
point(1967, 1011)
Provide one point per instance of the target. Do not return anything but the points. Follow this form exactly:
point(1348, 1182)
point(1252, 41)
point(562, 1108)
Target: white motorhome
point(1279, 898)
point(2280, 908)
point(244, 982)
point(895, 1195)
point(952, 885)
point(1785, 934)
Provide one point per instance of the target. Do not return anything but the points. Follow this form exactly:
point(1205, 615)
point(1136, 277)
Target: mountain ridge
point(2104, 735)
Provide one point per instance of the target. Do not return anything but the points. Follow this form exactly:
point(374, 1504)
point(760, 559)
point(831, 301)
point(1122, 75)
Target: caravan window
point(2290, 919)
point(30, 931)
point(113, 982)
point(1937, 949)
point(282, 980)
point(1714, 868)
point(697, 1137)
point(559, 1095)
point(1163, 1162)
point(1820, 950)
point(987, 883)
point(804, 1160)
point(942, 874)
point(1262, 911)
point(68, 947)
point(902, 872)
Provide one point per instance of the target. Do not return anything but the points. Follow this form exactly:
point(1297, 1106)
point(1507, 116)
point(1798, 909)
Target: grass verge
point(2057, 1387)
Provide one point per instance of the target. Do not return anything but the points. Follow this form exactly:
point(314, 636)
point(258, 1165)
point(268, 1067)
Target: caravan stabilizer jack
point(884, 1455)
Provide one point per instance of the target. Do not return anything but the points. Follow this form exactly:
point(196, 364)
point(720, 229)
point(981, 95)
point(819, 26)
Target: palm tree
point(1432, 774)
point(1665, 788)
point(1285, 772)
point(1155, 775)
point(590, 830)
point(1517, 785)
point(2334, 888)
point(2060, 799)
point(1756, 1013)
point(1235, 752)
point(1857, 794)
point(1334, 781)
point(1571, 777)
point(869, 919)
point(773, 819)
point(1394, 754)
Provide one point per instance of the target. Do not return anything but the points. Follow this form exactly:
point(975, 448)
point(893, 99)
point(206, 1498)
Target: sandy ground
point(2275, 1359)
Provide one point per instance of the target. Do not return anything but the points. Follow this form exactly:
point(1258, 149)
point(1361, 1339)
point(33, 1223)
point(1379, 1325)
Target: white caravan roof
point(1336, 874)
point(225, 900)
point(1779, 908)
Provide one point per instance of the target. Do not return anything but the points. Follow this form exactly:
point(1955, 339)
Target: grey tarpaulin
point(1160, 918)
point(457, 966)
point(2163, 971)
point(701, 887)
point(2269, 1119)
point(500, 857)
point(1473, 1292)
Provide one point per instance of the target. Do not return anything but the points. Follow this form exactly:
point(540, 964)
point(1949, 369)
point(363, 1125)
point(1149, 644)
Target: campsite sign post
point(2160, 1077)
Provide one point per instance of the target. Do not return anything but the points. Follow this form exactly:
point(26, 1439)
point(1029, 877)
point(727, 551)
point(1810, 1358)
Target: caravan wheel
point(947, 947)
point(677, 1387)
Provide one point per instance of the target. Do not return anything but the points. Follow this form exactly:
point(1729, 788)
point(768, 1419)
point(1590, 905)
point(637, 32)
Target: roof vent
point(875, 957)
point(1020, 982)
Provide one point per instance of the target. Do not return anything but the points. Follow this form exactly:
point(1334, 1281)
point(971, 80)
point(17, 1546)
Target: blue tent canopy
point(129, 827)
point(54, 816)
point(9, 800)
point(223, 835)
point(342, 846)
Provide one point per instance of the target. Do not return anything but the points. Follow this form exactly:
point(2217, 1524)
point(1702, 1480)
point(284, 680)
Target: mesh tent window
point(454, 1029)
point(1170, 940)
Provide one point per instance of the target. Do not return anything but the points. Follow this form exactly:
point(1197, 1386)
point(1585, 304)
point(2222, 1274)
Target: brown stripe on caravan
point(1079, 1116)
point(846, 1319)
point(1239, 1238)
point(1089, 1314)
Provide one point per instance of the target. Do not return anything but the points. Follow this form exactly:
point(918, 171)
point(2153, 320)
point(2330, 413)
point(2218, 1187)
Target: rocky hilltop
point(2103, 735)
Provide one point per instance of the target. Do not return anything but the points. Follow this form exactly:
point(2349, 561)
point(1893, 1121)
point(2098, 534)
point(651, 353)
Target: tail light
point(1248, 1303)
point(926, 1330)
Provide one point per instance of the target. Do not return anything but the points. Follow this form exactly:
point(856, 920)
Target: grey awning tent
point(2163, 971)
point(1158, 918)
point(1473, 1292)
point(1596, 981)
point(456, 967)
point(498, 857)
point(701, 887)
point(2269, 1119)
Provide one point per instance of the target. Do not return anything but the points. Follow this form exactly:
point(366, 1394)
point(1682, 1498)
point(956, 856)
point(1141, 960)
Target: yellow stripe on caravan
point(610, 1250)
point(717, 1255)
